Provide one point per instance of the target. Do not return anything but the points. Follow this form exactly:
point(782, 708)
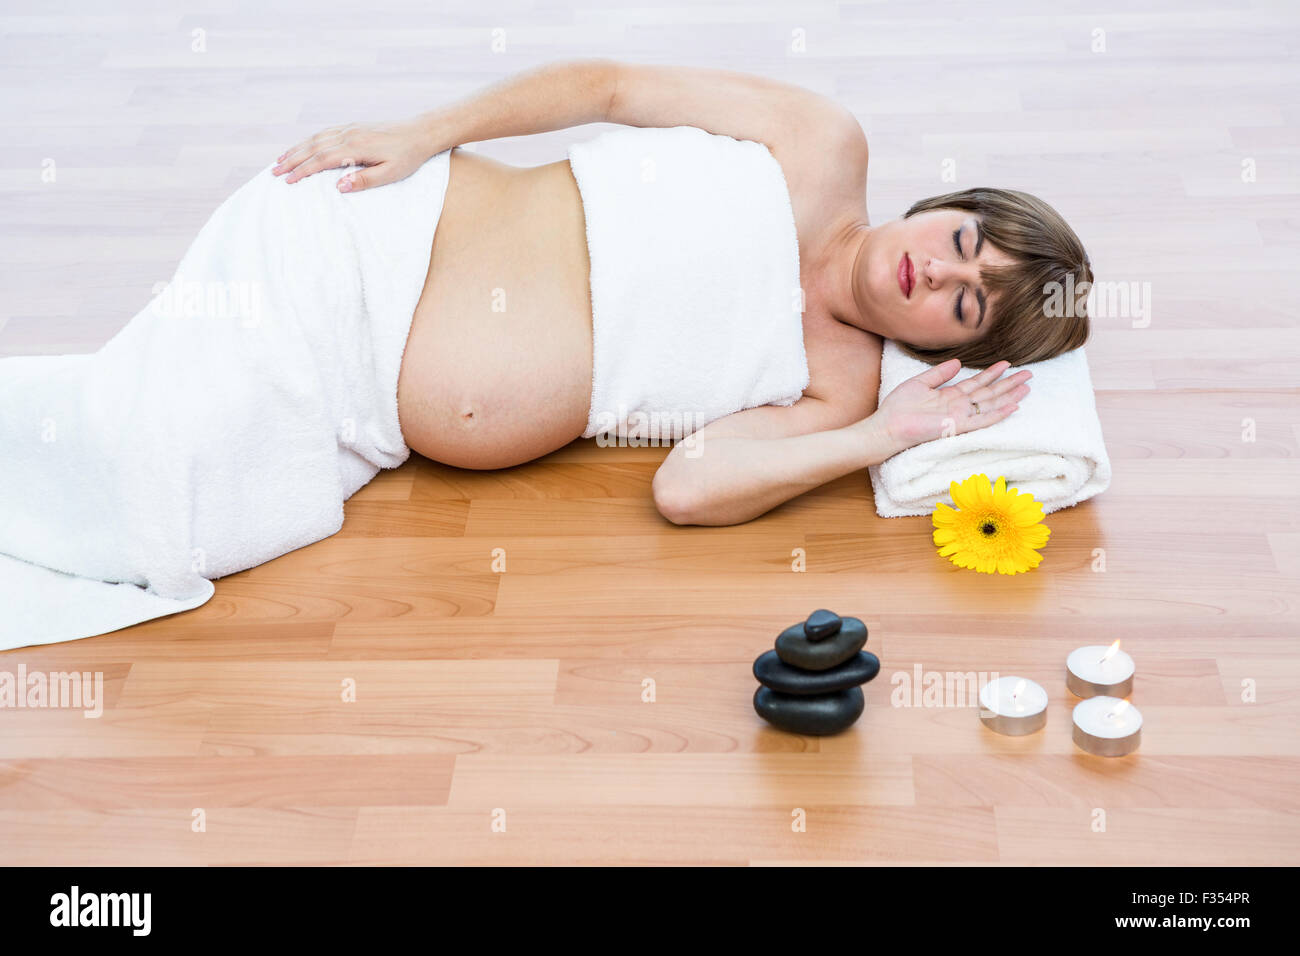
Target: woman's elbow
point(674, 500)
point(684, 506)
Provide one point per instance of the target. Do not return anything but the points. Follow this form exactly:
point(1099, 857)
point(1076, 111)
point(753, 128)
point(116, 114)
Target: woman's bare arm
point(801, 128)
point(551, 97)
point(740, 105)
point(745, 464)
point(730, 475)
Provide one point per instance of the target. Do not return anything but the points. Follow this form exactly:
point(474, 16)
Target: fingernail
point(345, 184)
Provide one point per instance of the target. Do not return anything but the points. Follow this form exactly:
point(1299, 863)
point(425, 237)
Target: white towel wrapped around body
point(696, 308)
point(1050, 447)
point(227, 422)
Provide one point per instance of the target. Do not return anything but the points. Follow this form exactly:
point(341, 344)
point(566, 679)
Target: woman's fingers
point(324, 157)
point(988, 403)
point(294, 158)
point(296, 153)
point(994, 410)
point(936, 375)
point(981, 379)
point(993, 415)
point(291, 158)
point(388, 152)
point(359, 179)
point(962, 398)
point(331, 158)
point(1002, 386)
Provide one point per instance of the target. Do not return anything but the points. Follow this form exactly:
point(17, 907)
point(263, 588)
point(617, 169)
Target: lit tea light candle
point(1013, 706)
point(1099, 672)
point(1107, 726)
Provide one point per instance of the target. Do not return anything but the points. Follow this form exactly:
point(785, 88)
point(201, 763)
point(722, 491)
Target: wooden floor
point(517, 698)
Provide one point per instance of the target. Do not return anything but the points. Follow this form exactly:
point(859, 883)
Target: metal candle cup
point(1107, 726)
point(1099, 671)
point(1013, 706)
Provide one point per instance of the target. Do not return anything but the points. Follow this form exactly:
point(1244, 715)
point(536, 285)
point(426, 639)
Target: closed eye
point(979, 293)
point(956, 242)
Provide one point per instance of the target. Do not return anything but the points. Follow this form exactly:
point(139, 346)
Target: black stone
point(821, 624)
point(819, 714)
point(797, 651)
point(780, 676)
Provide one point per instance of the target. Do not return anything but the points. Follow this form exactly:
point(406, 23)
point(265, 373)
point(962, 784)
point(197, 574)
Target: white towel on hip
point(227, 422)
point(1050, 447)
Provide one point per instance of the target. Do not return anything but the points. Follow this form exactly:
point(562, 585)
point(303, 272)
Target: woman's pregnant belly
point(497, 367)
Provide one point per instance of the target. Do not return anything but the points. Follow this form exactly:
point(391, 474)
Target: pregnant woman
point(500, 367)
point(706, 273)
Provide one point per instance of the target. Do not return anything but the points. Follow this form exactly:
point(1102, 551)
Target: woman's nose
point(938, 271)
point(933, 273)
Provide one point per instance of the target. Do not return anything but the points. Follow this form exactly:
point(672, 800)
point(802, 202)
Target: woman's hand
point(389, 151)
point(920, 410)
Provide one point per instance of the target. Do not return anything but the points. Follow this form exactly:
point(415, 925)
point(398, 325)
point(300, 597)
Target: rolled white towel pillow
point(1050, 447)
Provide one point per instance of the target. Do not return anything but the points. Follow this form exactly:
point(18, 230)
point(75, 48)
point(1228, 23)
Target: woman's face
point(918, 279)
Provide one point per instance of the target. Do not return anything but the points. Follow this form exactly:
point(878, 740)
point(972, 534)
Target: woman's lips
point(906, 276)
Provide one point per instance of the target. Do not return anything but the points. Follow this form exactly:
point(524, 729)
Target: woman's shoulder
point(826, 175)
point(843, 364)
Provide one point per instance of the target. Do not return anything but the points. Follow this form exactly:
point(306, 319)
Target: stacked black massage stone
point(810, 682)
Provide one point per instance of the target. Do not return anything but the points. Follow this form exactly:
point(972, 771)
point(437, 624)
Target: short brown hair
point(1045, 250)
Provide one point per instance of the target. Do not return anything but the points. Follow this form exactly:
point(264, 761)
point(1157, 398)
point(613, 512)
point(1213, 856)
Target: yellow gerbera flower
point(993, 528)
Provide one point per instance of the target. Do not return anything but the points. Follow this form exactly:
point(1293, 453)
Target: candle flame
point(1110, 652)
point(1020, 685)
point(1122, 706)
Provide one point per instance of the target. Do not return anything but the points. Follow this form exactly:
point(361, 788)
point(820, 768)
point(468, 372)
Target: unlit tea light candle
point(1099, 671)
point(1107, 726)
point(1013, 706)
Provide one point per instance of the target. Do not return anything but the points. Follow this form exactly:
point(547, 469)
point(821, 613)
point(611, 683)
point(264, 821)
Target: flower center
point(988, 528)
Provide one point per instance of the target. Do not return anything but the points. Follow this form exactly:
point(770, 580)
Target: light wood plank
point(521, 687)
